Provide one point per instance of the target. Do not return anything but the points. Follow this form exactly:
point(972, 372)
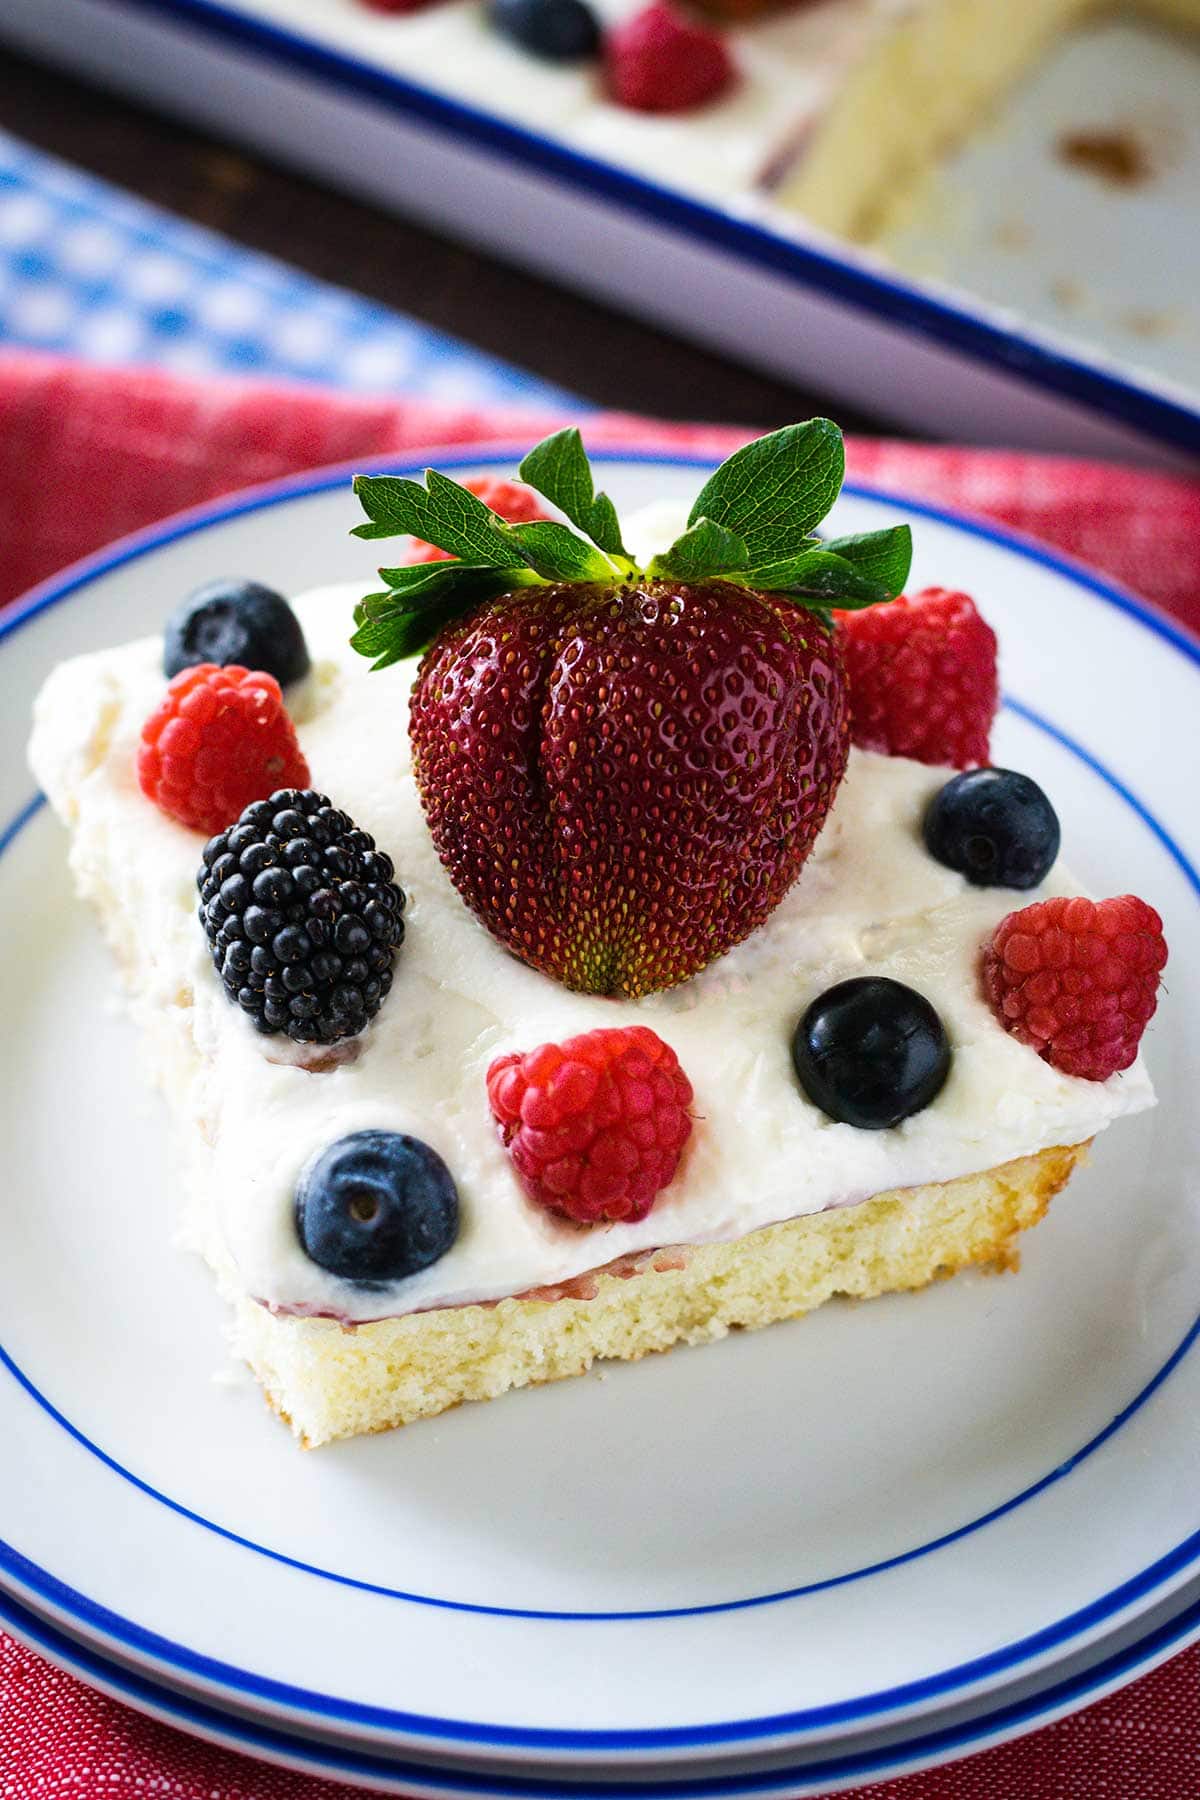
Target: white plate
point(796, 1541)
point(829, 1769)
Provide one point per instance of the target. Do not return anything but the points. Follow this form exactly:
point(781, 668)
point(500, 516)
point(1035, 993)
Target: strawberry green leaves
point(881, 557)
point(848, 572)
point(559, 469)
point(487, 556)
point(772, 492)
point(419, 600)
point(703, 552)
point(752, 525)
point(558, 555)
point(441, 512)
point(753, 520)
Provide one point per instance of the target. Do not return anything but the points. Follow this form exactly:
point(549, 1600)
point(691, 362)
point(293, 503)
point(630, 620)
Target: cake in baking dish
point(825, 110)
point(642, 947)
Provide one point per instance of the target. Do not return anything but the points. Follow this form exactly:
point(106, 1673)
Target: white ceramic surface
point(1117, 262)
point(726, 1510)
point(983, 1724)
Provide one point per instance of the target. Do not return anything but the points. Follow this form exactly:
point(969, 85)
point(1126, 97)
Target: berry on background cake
point(822, 113)
point(623, 937)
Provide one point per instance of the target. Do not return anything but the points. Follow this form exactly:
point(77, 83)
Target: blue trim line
point(1131, 800)
point(894, 302)
point(1175, 1562)
point(548, 1614)
point(17, 825)
point(193, 519)
point(273, 1744)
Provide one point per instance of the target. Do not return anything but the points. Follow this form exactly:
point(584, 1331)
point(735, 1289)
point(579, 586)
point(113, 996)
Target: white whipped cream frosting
point(869, 901)
point(790, 61)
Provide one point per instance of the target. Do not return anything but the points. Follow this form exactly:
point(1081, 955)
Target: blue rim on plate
point(886, 297)
point(1009, 1659)
point(1013, 1719)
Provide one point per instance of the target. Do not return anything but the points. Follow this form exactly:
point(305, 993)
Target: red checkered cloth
point(86, 455)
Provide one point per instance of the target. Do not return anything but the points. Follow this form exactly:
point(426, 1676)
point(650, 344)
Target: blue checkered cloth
point(90, 271)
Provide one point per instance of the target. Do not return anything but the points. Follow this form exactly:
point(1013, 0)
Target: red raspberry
point(658, 61)
point(595, 1125)
point(1077, 979)
point(922, 674)
point(510, 499)
point(221, 738)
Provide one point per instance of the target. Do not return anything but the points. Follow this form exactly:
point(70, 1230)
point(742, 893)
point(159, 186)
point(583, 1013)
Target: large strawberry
point(624, 769)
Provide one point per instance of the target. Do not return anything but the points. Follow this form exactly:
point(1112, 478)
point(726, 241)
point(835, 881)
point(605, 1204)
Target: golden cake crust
point(329, 1382)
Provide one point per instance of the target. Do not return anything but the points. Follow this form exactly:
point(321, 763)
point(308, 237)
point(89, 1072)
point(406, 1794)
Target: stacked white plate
point(797, 1560)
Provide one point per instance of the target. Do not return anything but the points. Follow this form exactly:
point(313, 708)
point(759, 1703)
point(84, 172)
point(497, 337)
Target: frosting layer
point(254, 1109)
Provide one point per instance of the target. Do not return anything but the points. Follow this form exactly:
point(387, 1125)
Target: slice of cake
point(608, 1001)
point(927, 74)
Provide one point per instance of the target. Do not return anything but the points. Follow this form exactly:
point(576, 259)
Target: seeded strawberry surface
point(624, 782)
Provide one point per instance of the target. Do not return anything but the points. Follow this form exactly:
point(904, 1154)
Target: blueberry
point(556, 30)
point(871, 1052)
point(995, 827)
point(376, 1206)
point(232, 621)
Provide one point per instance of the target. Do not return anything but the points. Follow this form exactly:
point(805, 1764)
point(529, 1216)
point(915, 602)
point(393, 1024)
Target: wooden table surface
point(581, 346)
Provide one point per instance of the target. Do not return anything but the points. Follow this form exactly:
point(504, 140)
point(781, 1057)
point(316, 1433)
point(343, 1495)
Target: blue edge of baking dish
point(889, 300)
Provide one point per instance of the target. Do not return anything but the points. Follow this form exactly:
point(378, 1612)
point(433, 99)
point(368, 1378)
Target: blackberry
point(302, 917)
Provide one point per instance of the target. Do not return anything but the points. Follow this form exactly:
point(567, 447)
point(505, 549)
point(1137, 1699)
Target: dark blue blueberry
point(556, 30)
point(995, 827)
point(376, 1206)
point(232, 621)
point(870, 1052)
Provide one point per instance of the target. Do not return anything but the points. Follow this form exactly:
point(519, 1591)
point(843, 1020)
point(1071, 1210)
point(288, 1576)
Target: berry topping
point(623, 768)
point(376, 1206)
point(220, 738)
point(659, 61)
point(995, 827)
point(595, 1125)
point(557, 30)
point(507, 499)
point(1078, 980)
point(302, 917)
point(624, 783)
point(871, 1052)
point(236, 622)
point(922, 675)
